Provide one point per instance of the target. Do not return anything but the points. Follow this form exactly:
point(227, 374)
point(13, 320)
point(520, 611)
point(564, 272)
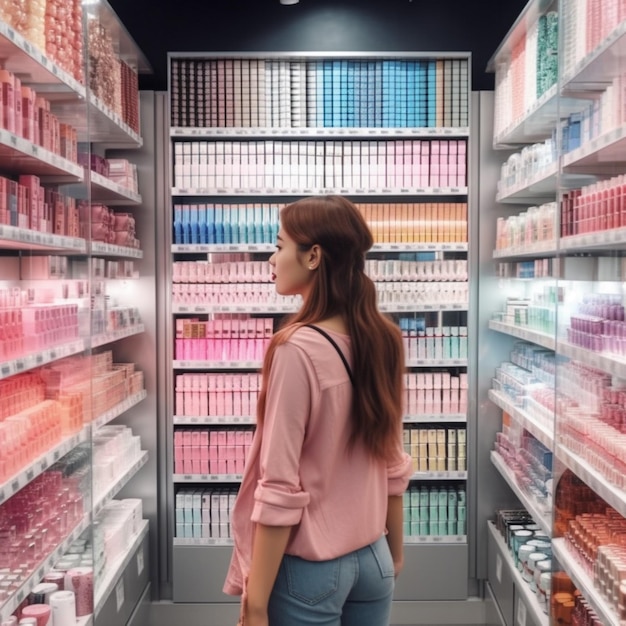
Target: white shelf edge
point(39, 465)
point(196, 248)
point(435, 418)
point(538, 516)
point(436, 363)
point(214, 420)
point(36, 359)
point(40, 154)
point(116, 119)
point(528, 250)
point(124, 194)
point(311, 132)
point(542, 176)
point(528, 422)
point(109, 249)
point(109, 493)
point(119, 409)
point(584, 584)
point(582, 64)
point(611, 494)
point(607, 363)
point(42, 240)
point(104, 338)
point(408, 191)
point(207, 478)
point(503, 137)
point(534, 336)
point(399, 307)
point(592, 240)
point(228, 365)
point(530, 598)
point(443, 475)
point(39, 57)
point(114, 570)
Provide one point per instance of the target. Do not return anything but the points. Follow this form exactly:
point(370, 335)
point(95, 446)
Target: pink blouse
point(299, 471)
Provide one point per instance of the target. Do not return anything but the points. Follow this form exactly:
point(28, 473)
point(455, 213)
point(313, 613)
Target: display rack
point(50, 261)
point(251, 132)
point(579, 264)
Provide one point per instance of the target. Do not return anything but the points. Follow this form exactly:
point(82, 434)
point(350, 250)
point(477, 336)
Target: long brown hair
point(340, 286)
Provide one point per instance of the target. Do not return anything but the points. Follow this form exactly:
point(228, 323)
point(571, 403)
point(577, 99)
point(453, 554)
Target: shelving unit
point(50, 260)
point(255, 182)
point(588, 269)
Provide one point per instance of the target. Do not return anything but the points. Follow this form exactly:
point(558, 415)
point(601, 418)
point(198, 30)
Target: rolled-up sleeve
point(279, 497)
point(399, 474)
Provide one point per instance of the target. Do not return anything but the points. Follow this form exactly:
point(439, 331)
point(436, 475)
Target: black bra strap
point(334, 344)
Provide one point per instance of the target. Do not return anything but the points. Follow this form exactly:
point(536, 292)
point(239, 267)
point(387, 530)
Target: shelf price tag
point(119, 594)
point(520, 618)
point(140, 562)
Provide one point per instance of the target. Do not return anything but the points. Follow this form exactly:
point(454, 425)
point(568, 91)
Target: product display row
point(223, 304)
point(376, 93)
point(561, 310)
point(67, 381)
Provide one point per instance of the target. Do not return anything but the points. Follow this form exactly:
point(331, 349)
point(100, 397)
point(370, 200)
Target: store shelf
point(540, 516)
point(600, 155)
point(39, 465)
point(21, 593)
point(534, 126)
point(25, 157)
point(270, 247)
point(114, 570)
point(14, 238)
point(541, 187)
point(23, 58)
point(439, 476)
point(545, 340)
point(400, 307)
point(437, 363)
point(611, 494)
point(607, 363)
point(204, 541)
point(521, 586)
point(234, 308)
point(420, 540)
point(606, 241)
point(435, 418)
point(101, 500)
point(104, 191)
point(213, 420)
point(357, 192)
point(598, 68)
point(531, 250)
point(36, 359)
point(178, 132)
point(217, 365)
point(119, 409)
point(584, 583)
point(100, 248)
point(207, 478)
point(533, 425)
point(105, 338)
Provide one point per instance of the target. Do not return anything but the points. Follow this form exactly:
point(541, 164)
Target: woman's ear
point(314, 256)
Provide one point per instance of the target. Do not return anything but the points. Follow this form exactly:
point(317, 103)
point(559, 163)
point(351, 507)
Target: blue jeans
point(352, 590)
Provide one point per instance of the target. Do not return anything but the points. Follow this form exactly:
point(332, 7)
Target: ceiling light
point(289, 1)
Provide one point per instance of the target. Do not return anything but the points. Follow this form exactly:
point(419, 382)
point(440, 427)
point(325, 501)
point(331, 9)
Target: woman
point(318, 520)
